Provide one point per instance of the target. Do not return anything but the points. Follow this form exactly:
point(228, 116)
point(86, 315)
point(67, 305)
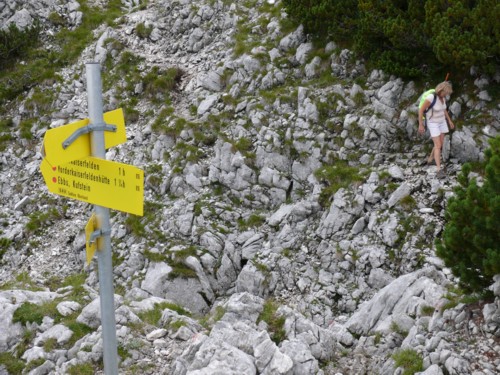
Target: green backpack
point(422, 100)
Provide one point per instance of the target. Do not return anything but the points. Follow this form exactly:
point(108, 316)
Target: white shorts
point(436, 129)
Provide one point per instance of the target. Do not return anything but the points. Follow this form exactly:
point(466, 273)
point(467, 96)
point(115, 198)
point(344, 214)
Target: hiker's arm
point(448, 118)
point(421, 111)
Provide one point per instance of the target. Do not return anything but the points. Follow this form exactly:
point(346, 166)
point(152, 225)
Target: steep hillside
point(289, 223)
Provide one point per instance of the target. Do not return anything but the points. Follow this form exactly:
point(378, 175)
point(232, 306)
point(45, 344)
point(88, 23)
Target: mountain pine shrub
point(409, 38)
point(15, 43)
point(470, 244)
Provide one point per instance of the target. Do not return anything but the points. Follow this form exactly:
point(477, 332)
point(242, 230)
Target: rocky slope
point(253, 256)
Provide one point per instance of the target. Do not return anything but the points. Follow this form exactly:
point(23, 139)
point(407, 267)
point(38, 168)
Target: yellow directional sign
point(98, 181)
point(90, 243)
point(53, 140)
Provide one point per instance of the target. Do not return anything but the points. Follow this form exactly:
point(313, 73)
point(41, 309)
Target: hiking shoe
point(441, 174)
point(427, 163)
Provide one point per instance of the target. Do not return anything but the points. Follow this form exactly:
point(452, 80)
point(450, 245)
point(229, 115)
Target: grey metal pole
point(106, 291)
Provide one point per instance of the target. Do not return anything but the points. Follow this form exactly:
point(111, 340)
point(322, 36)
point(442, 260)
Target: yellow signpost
point(75, 166)
point(90, 241)
point(98, 181)
point(57, 152)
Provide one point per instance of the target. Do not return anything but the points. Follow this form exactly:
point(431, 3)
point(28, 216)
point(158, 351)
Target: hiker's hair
point(444, 88)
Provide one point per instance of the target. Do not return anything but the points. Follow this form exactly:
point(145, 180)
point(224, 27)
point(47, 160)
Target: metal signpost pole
point(106, 292)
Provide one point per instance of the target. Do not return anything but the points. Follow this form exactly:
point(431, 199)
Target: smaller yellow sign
point(56, 154)
point(90, 243)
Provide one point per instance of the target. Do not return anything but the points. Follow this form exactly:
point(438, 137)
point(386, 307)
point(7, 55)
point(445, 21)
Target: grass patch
point(4, 245)
point(41, 64)
point(427, 310)
point(181, 270)
point(81, 369)
point(43, 219)
point(11, 363)
point(176, 259)
point(143, 31)
point(334, 177)
point(21, 281)
point(153, 316)
point(409, 360)
point(75, 281)
point(154, 257)
point(79, 329)
point(242, 44)
point(397, 329)
point(50, 344)
point(274, 322)
point(456, 295)
point(408, 203)
point(177, 324)
point(243, 145)
point(32, 313)
point(144, 227)
point(159, 83)
point(253, 221)
point(28, 313)
point(210, 319)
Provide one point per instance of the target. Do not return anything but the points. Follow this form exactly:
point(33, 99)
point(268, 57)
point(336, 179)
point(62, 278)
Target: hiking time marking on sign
point(56, 151)
point(98, 181)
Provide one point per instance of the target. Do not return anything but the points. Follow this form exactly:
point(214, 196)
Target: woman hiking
point(436, 123)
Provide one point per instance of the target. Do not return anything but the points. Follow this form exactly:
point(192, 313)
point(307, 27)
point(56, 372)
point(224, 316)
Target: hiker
point(436, 122)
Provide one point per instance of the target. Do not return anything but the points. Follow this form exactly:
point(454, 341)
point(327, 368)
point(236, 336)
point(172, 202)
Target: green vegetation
point(243, 44)
point(41, 64)
point(397, 329)
point(154, 256)
point(153, 316)
point(408, 38)
point(123, 352)
point(144, 226)
point(34, 364)
point(143, 31)
point(243, 145)
point(30, 313)
point(22, 281)
point(427, 310)
point(176, 260)
point(81, 369)
point(50, 344)
point(4, 245)
point(158, 83)
point(275, 323)
point(179, 268)
point(209, 320)
point(6, 125)
point(457, 295)
point(13, 364)
point(40, 220)
point(409, 360)
point(253, 221)
point(408, 203)
point(336, 176)
point(15, 43)
point(470, 244)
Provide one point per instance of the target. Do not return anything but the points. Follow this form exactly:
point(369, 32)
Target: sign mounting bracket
point(96, 234)
point(87, 129)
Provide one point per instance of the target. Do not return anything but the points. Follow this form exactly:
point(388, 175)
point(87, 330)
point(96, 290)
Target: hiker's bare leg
point(431, 156)
point(441, 138)
point(437, 151)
